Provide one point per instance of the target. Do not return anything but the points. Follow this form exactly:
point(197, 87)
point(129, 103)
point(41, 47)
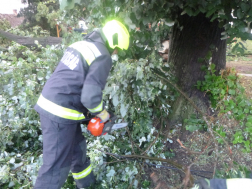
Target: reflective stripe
point(195, 186)
point(94, 49)
point(83, 173)
point(88, 50)
point(243, 183)
point(60, 111)
point(97, 109)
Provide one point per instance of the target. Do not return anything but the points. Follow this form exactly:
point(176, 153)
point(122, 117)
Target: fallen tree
point(29, 41)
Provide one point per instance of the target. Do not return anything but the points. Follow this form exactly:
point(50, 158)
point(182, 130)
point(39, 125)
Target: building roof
point(13, 19)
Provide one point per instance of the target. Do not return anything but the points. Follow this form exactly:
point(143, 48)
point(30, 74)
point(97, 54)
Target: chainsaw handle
point(109, 124)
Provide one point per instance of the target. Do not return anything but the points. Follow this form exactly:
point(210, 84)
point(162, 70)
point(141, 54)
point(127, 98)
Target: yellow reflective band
point(88, 50)
point(60, 111)
point(238, 182)
point(97, 109)
point(93, 48)
point(83, 173)
point(85, 51)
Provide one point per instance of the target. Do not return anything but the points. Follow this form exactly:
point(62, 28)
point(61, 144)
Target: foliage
point(138, 13)
point(4, 25)
point(135, 103)
point(227, 97)
point(194, 124)
point(237, 172)
point(216, 86)
point(239, 48)
point(23, 73)
point(43, 13)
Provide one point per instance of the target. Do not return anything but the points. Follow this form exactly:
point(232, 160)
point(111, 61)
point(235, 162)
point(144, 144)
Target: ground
point(192, 144)
point(243, 66)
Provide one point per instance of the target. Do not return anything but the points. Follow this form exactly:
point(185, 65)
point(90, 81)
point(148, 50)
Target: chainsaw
point(97, 128)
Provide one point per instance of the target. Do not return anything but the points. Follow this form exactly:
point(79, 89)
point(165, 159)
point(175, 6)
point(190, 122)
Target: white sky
point(7, 6)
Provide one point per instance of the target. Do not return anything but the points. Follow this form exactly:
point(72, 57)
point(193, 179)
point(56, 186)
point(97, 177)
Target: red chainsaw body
point(95, 126)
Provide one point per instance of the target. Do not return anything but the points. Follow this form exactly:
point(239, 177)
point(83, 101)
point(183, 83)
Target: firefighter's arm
point(95, 81)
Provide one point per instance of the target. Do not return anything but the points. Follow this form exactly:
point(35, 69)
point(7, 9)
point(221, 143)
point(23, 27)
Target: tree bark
point(30, 42)
point(192, 38)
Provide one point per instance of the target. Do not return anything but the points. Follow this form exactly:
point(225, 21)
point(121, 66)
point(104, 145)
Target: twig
point(187, 176)
point(178, 166)
point(230, 151)
point(113, 161)
point(109, 154)
point(147, 157)
point(181, 144)
point(175, 86)
point(132, 142)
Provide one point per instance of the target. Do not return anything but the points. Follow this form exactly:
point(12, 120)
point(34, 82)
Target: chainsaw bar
point(119, 126)
point(111, 126)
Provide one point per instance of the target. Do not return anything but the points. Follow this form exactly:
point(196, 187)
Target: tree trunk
point(30, 42)
point(192, 38)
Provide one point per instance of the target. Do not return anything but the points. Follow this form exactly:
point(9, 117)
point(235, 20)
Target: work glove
point(202, 184)
point(104, 116)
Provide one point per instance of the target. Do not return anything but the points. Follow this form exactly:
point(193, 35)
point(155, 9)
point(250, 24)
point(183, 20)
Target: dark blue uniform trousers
point(64, 149)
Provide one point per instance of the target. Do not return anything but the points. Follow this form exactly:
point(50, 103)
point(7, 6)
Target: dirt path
point(247, 75)
point(244, 67)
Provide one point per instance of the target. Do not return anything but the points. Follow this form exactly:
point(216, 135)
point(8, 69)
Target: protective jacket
point(77, 83)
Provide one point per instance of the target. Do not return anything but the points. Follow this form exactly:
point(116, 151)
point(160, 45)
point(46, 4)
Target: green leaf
point(231, 91)
point(235, 110)
point(200, 60)
point(192, 128)
point(223, 92)
point(248, 124)
point(115, 100)
point(246, 110)
point(208, 55)
point(240, 14)
point(210, 12)
point(68, 4)
point(244, 7)
point(230, 84)
point(198, 83)
point(123, 110)
point(202, 9)
point(232, 77)
point(189, 11)
point(249, 118)
point(146, 20)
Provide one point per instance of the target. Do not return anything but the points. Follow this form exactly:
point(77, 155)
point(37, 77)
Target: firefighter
point(74, 89)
